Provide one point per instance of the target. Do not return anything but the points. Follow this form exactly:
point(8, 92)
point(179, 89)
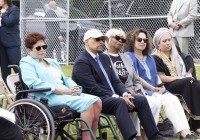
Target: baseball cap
point(93, 33)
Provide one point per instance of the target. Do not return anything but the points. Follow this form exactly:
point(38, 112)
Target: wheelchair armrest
point(38, 90)
point(23, 93)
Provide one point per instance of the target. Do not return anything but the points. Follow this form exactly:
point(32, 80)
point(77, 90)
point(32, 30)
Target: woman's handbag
point(166, 128)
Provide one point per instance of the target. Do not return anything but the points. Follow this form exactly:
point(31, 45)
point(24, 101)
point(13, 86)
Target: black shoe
point(190, 137)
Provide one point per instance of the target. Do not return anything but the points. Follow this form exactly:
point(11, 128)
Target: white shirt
point(56, 74)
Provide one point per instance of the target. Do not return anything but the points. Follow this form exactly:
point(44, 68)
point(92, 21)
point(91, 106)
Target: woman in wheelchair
point(40, 72)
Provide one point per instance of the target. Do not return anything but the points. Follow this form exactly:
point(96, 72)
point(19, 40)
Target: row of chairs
point(37, 121)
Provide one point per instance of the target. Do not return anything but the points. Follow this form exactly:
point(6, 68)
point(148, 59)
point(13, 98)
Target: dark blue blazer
point(87, 73)
point(9, 30)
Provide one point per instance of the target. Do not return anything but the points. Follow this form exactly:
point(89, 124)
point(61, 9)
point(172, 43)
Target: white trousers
point(173, 110)
point(155, 106)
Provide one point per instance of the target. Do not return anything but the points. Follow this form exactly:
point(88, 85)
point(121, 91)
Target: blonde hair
point(114, 32)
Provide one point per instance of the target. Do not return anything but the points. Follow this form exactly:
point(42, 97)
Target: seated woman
point(172, 71)
point(125, 72)
point(138, 45)
point(40, 72)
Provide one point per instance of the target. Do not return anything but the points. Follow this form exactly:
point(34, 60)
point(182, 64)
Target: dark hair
point(32, 38)
point(8, 2)
point(131, 38)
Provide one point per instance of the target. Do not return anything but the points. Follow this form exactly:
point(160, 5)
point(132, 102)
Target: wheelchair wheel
point(34, 119)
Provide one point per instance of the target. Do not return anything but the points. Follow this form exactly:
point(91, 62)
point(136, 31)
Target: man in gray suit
point(180, 19)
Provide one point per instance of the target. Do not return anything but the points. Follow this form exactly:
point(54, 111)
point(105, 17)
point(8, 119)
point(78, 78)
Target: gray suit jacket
point(186, 14)
point(132, 83)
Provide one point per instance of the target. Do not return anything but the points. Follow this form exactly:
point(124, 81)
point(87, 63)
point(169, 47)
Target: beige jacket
point(186, 14)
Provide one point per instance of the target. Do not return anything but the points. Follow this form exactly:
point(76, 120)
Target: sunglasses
point(100, 39)
point(140, 39)
point(118, 38)
point(38, 48)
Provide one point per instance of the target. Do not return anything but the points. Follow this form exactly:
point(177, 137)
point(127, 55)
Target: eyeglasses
point(100, 39)
point(38, 48)
point(118, 38)
point(140, 39)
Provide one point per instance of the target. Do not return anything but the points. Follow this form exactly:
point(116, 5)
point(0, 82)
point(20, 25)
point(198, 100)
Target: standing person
point(94, 72)
point(39, 72)
point(53, 32)
point(10, 42)
point(125, 72)
point(172, 72)
point(180, 19)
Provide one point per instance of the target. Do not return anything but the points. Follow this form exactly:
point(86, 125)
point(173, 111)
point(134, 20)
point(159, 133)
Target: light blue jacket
point(35, 75)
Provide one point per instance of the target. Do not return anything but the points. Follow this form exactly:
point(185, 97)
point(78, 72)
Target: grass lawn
point(198, 72)
point(67, 69)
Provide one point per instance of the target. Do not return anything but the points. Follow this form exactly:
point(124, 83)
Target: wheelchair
point(38, 121)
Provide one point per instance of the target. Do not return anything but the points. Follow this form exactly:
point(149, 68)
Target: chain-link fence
point(64, 31)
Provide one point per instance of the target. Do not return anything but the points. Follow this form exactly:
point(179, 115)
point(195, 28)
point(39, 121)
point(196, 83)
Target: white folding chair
point(11, 80)
point(5, 95)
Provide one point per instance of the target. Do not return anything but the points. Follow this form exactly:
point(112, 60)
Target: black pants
point(9, 131)
point(118, 108)
point(9, 56)
point(194, 124)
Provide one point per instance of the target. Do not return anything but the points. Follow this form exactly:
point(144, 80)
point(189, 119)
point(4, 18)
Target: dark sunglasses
point(118, 38)
point(140, 39)
point(38, 48)
point(100, 39)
